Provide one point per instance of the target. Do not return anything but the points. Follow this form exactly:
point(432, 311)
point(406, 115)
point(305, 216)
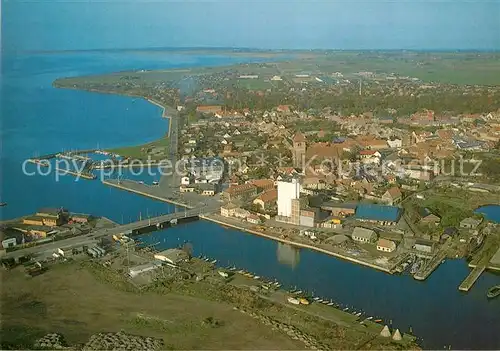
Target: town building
point(252, 218)
point(386, 245)
point(428, 218)
point(262, 184)
point(392, 196)
point(207, 189)
point(228, 210)
point(235, 192)
point(363, 235)
point(470, 223)
point(339, 209)
point(267, 199)
point(299, 150)
point(308, 217)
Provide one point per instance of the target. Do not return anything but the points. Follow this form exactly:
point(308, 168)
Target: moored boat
point(293, 301)
point(493, 292)
point(304, 301)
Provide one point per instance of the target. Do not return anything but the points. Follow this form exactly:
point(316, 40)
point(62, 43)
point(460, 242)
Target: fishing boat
point(493, 292)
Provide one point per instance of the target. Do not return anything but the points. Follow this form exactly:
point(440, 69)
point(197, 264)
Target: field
point(442, 67)
point(68, 299)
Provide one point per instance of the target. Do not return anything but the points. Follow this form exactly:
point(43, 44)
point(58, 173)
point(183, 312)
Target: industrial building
point(172, 256)
point(386, 245)
point(287, 191)
point(380, 214)
point(143, 268)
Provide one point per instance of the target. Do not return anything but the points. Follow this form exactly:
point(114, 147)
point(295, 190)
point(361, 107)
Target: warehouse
point(379, 214)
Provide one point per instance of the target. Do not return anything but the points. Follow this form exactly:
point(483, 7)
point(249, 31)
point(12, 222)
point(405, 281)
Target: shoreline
point(296, 244)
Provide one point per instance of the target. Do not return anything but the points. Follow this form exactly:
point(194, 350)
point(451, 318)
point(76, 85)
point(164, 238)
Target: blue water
point(37, 119)
point(491, 212)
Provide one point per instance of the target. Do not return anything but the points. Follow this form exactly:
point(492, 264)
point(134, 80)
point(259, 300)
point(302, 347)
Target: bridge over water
point(93, 237)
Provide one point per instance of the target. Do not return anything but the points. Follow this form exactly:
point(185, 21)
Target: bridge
point(93, 237)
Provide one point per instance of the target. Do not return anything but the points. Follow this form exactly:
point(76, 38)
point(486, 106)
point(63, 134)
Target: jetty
point(431, 266)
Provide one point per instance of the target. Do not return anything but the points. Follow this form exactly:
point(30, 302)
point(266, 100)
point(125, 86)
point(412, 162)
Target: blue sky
point(369, 24)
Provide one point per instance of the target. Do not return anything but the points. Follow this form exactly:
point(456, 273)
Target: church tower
point(299, 150)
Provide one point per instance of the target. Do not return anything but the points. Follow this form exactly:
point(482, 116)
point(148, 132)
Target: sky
point(275, 24)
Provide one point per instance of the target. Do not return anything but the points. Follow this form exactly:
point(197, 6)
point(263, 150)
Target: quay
point(242, 228)
point(490, 258)
point(431, 266)
point(88, 176)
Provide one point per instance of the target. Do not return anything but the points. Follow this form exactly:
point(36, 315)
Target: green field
point(140, 152)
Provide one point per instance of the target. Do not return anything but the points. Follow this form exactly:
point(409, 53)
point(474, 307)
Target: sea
point(37, 119)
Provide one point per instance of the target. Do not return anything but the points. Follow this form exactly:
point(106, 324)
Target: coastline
point(296, 244)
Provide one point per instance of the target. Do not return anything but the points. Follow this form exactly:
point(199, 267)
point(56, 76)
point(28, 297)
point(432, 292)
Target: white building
point(287, 191)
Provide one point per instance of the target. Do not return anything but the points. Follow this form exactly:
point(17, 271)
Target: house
point(240, 191)
point(228, 210)
point(470, 223)
point(392, 196)
point(266, 199)
point(363, 235)
point(187, 188)
point(395, 143)
point(254, 219)
point(186, 180)
point(241, 213)
point(385, 215)
point(33, 220)
point(207, 189)
point(386, 245)
point(9, 242)
point(80, 218)
point(428, 218)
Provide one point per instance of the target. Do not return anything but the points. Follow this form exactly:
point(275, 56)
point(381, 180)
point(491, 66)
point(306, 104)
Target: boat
point(325, 302)
point(316, 298)
point(369, 318)
point(223, 274)
point(2, 204)
point(155, 182)
point(298, 292)
point(378, 321)
point(493, 292)
point(329, 304)
point(213, 261)
point(320, 300)
point(358, 314)
point(293, 301)
point(256, 277)
point(346, 309)
point(304, 301)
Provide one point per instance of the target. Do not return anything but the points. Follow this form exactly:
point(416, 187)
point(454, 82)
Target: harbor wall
point(293, 243)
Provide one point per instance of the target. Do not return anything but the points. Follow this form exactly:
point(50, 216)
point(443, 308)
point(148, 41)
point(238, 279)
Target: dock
point(431, 266)
point(472, 277)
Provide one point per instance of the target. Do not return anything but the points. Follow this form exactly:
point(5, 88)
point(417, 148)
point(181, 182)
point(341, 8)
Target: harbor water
point(38, 119)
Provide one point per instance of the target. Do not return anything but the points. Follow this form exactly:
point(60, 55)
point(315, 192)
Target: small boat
point(329, 304)
point(213, 261)
point(293, 301)
point(346, 309)
point(155, 182)
point(378, 321)
point(320, 300)
point(369, 318)
point(325, 302)
point(493, 292)
point(256, 277)
point(304, 301)
point(316, 298)
point(298, 292)
point(358, 314)
point(223, 274)
point(2, 204)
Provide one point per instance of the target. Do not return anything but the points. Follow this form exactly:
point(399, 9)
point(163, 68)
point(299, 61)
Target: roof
point(299, 137)
point(394, 192)
point(262, 183)
point(470, 221)
point(268, 196)
point(237, 188)
point(378, 212)
point(361, 232)
point(367, 152)
point(386, 243)
point(49, 210)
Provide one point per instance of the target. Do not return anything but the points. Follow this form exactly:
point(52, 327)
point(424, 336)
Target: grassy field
point(139, 152)
point(70, 300)
point(453, 68)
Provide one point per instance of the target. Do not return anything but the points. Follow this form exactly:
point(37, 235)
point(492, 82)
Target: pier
point(431, 266)
point(472, 277)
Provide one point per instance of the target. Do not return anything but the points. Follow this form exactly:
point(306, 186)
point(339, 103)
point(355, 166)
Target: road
point(167, 182)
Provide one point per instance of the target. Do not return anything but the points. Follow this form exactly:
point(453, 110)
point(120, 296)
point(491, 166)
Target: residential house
point(241, 213)
point(207, 189)
point(428, 218)
point(254, 219)
point(228, 210)
point(363, 235)
point(392, 196)
point(470, 223)
point(267, 199)
point(386, 245)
